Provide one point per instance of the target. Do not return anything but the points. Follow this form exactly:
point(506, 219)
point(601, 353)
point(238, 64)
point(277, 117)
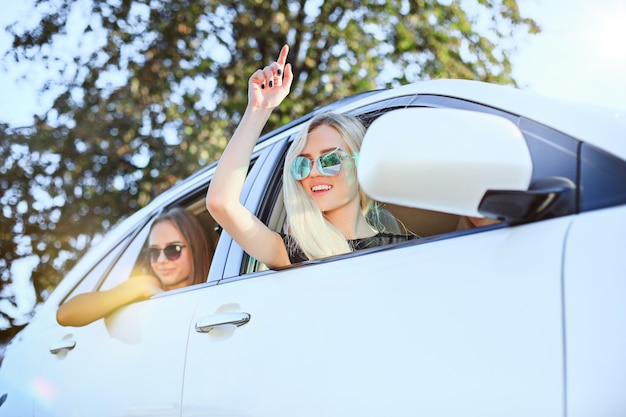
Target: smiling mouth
point(324, 187)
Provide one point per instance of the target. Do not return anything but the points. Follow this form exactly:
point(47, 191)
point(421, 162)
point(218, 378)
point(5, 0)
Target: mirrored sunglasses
point(172, 252)
point(328, 164)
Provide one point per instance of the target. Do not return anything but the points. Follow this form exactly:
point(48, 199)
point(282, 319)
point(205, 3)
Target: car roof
point(603, 127)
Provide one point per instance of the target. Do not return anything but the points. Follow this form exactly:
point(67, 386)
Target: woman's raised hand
point(268, 87)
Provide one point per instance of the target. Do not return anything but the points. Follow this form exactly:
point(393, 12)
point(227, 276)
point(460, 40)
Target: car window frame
point(267, 185)
point(535, 134)
point(96, 275)
point(123, 267)
point(130, 259)
point(540, 139)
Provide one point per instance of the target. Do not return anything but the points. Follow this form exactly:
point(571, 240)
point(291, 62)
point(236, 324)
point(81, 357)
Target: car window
point(129, 261)
point(133, 261)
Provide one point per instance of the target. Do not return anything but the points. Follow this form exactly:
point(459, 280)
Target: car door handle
point(62, 345)
point(207, 323)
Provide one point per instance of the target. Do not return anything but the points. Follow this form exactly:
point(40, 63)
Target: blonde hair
point(306, 225)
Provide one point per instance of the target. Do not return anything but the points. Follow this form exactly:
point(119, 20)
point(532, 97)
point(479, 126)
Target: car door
point(130, 363)
point(468, 325)
point(459, 324)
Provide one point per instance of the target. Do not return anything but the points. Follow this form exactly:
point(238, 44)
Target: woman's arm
point(266, 89)
point(89, 307)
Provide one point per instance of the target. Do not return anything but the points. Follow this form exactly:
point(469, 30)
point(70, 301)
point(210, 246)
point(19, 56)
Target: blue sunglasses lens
point(300, 168)
point(329, 164)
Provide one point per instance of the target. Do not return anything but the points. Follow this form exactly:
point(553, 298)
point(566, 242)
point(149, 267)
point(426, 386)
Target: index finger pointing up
point(282, 57)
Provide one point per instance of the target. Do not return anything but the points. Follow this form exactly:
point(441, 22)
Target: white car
point(526, 317)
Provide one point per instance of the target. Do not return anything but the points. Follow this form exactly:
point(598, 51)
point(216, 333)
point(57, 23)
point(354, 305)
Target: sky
point(579, 56)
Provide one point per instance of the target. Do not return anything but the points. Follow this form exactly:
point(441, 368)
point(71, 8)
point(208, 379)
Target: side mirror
point(443, 159)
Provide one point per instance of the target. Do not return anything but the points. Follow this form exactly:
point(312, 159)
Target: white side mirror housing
point(442, 159)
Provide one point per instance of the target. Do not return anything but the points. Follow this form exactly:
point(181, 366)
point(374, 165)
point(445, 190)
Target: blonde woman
point(327, 213)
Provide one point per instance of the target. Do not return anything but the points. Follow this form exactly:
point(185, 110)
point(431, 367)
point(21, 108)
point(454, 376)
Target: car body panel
point(475, 331)
point(595, 313)
point(21, 371)
point(138, 369)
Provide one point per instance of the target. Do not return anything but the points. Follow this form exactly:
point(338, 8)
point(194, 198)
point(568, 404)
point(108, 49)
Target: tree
point(154, 88)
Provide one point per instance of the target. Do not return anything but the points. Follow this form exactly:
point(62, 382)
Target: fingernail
point(262, 86)
point(279, 72)
point(271, 83)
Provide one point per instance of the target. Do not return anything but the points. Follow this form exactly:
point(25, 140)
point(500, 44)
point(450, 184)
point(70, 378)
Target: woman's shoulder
point(296, 255)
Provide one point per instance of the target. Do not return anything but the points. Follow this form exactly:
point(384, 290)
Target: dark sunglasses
point(172, 252)
point(328, 164)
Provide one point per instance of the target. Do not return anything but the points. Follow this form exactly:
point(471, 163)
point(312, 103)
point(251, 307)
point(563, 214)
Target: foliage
point(152, 89)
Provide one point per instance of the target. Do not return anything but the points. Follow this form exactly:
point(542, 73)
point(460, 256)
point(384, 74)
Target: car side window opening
point(135, 259)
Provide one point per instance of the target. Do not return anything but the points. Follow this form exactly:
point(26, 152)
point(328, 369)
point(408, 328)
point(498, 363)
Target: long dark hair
point(195, 236)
